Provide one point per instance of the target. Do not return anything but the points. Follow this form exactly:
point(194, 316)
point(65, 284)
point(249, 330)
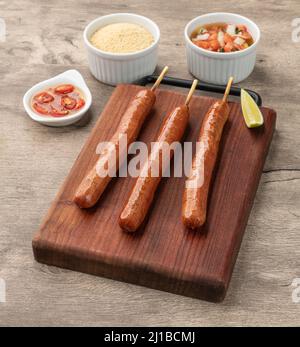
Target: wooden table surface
point(45, 38)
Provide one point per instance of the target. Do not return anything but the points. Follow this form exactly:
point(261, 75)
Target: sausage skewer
point(142, 194)
point(197, 185)
point(93, 184)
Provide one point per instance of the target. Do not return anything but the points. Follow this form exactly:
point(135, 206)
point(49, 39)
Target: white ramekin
point(215, 67)
point(114, 68)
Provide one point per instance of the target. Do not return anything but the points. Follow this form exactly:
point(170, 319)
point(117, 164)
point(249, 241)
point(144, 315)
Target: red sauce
point(59, 101)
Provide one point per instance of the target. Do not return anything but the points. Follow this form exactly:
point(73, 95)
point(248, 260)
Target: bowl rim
point(120, 56)
point(220, 54)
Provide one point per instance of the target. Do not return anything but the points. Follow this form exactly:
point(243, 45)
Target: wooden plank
point(163, 254)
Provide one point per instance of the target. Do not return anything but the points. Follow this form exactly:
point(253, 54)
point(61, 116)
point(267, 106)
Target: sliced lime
point(251, 112)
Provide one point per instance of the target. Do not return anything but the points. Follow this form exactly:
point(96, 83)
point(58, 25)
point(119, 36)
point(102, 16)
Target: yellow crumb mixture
point(122, 38)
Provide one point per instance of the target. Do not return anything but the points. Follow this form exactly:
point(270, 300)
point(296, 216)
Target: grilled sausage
point(146, 184)
point(93, 185)
point(197, 184)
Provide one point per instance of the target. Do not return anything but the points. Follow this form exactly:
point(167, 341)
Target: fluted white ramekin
point(114, 68)
point(215, 67)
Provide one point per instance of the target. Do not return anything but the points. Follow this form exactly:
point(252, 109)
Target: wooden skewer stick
point(191, 92)
point(159, 78)
point(227, 89)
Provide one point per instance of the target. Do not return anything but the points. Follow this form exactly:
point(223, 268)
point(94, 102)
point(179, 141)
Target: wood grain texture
point(162, 254)
point(35, 160)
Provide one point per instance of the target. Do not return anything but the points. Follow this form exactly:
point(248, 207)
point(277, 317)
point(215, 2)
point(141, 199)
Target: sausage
point(93, 185)
point(142, 194)
point(197, 185)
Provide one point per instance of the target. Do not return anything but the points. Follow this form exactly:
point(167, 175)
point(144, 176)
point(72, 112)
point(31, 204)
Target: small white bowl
point(71, 76)
point(114, 68)
point(215, 67)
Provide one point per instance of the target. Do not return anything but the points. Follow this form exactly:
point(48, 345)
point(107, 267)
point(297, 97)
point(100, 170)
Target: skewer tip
point(227, 90)
point(191, 92)
point(160, 78)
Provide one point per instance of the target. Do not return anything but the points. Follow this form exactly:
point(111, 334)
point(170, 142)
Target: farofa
point(122, 38)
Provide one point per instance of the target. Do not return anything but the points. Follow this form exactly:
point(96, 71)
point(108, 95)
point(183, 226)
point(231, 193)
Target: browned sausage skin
point(142, 194)
point(93, 185)
point(197, 184)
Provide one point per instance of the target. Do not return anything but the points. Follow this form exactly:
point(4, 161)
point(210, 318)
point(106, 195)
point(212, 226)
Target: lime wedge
point(251, 111)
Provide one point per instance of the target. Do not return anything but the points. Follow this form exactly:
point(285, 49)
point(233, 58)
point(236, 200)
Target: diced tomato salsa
point(59, 101)
point(222, 37)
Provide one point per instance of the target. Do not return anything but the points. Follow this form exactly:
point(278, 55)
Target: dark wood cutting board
point(163, 255)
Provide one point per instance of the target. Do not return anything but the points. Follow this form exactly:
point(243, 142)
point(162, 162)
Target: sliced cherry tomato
point(227, 38)
point(58, 113)
point(64, 89)
point(228, 47)
point(213, 36)
point(40, 109)
point(68, 102)
point(43, 97)
point(202, 44)
point(80, 103)
point(214, 45)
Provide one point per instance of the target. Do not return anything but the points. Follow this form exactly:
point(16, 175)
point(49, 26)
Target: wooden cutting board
point(162, 255)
